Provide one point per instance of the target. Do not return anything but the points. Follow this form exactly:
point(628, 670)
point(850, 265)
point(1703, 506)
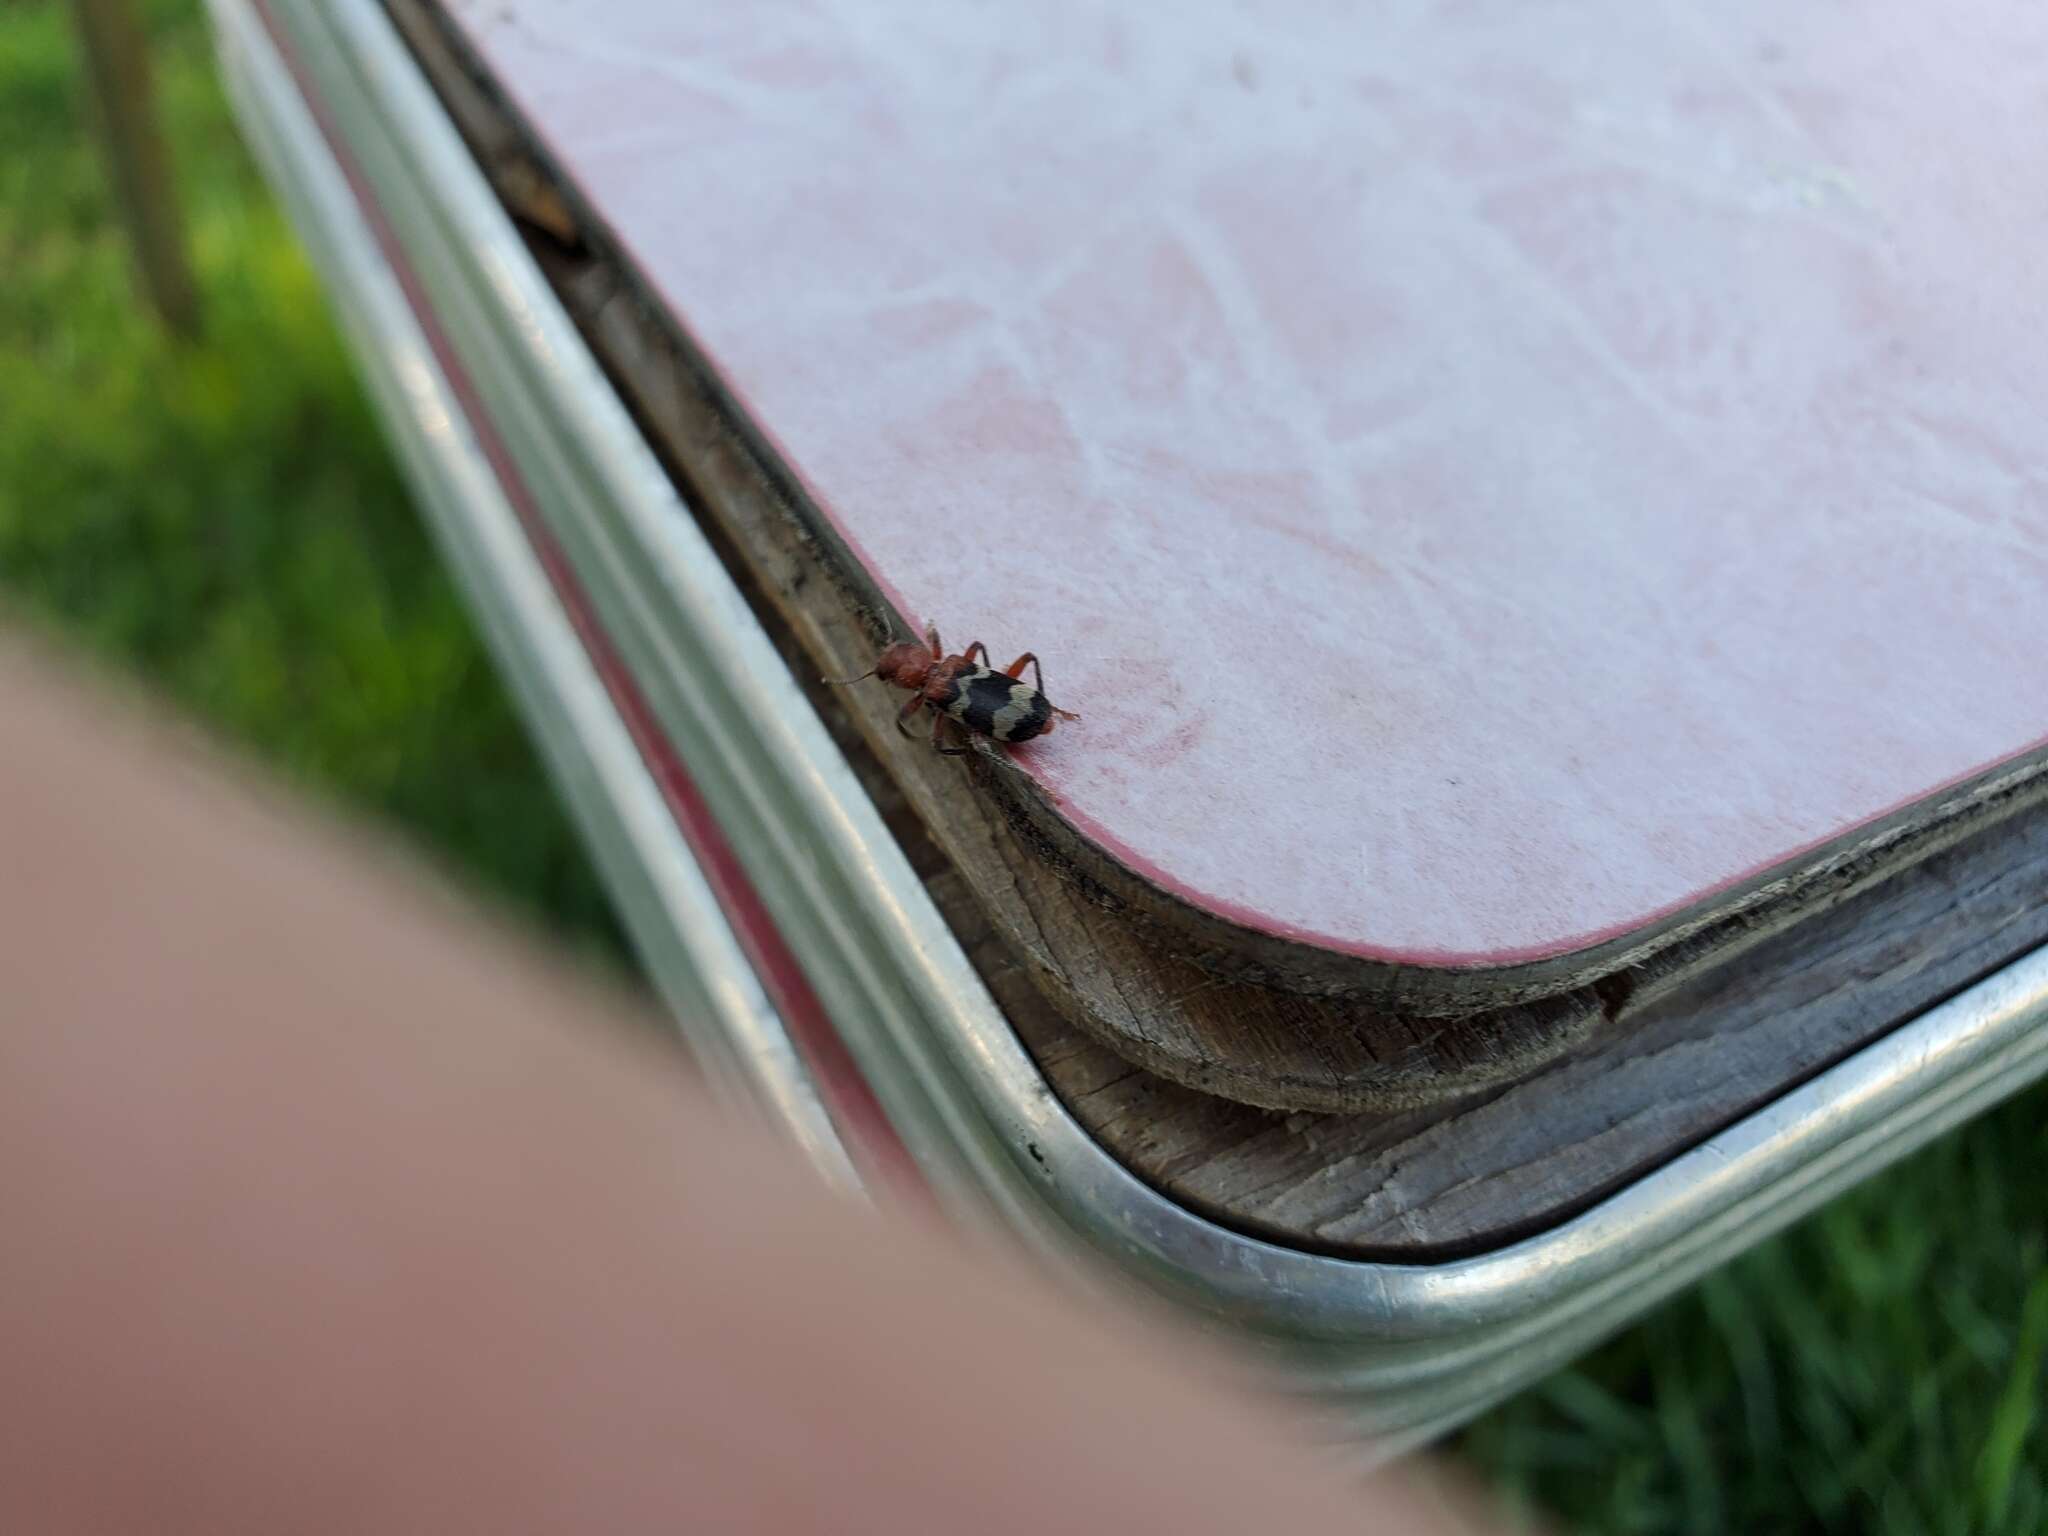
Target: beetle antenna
point(841, 682)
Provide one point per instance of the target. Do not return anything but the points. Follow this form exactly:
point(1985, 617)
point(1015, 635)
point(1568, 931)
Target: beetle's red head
point(907, 665)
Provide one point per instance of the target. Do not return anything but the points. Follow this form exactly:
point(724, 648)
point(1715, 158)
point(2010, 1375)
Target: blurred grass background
point(222, 520)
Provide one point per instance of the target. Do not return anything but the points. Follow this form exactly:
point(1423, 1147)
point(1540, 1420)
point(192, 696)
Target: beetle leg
point(977, 646)
point(939, 719)
point(910, 707)
point(1016, 670)
point(931, 638)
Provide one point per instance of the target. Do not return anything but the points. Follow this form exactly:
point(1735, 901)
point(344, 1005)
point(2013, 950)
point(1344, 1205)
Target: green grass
point(1878, 1368)
point(224, 521)
point(225, 518)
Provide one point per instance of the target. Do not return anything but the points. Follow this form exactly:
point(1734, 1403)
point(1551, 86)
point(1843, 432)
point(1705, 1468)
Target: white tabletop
point(1489, 476)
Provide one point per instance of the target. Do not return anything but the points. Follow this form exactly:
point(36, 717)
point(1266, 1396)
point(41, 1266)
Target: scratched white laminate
point(1489, 475)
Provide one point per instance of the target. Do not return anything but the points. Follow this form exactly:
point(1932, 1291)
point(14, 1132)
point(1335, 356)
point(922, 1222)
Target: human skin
point(329, 1204)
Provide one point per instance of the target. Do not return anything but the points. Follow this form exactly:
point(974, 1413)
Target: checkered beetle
point(999, 705)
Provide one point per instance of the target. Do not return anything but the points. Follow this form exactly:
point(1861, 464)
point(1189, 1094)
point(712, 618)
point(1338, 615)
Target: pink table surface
point(1489, 475)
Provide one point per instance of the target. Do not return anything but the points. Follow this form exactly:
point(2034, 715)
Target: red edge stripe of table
point(849, 1099)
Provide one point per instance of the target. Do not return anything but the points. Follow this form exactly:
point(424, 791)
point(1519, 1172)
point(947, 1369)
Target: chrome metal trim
point(1400, 1351)
point(681, 932)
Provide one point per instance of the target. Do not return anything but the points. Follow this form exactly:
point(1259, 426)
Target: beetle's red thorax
point(939, 677)
point(906, 665)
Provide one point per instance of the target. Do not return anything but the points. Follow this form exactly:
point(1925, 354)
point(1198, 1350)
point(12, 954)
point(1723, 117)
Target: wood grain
point(1459, 1179)
point(1452, 1179)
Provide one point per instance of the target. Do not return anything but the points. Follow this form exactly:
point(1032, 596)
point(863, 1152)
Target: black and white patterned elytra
point(997, 705)
point(966, 690)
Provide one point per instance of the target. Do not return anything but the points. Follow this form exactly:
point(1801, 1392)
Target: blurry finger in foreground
point(329, 1206)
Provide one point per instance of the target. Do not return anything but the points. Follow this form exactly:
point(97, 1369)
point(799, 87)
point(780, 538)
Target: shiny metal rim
point(678, 925)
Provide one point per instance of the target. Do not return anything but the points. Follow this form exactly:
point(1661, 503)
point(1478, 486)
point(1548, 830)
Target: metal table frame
point(634, 659)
